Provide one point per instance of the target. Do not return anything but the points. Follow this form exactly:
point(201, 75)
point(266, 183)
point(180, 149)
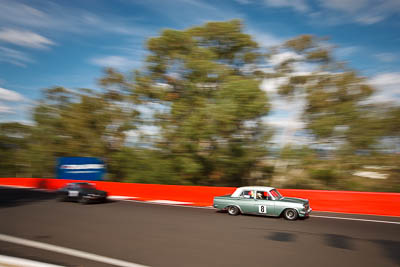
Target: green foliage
point(211, 128)
point(13, 147)
point(301, 43)
point(327, 176)
point(77, 124)
point(336, 110)
point(137, 165)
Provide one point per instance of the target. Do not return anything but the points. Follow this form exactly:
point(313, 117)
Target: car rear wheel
point(233, 210)
point(83, 200)
point(290, 214)
point(61, 198)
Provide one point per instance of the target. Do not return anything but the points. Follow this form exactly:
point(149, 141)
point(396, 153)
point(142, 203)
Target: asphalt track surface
point(159, 235)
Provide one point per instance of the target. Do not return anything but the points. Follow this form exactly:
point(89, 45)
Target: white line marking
point(68, 251)
point(120, 197)
point(354, 219)
point(361, 214)
point(173, 205)
point(161, 201)
point(17, 186)
point(18, 262)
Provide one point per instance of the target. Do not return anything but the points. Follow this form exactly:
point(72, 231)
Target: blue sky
point(68, 43)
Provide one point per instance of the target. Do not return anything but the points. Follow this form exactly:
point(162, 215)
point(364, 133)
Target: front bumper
point(305, 213)
point(96, 198)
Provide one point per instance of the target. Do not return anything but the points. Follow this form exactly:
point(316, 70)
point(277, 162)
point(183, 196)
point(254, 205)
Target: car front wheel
point(233, 210)
point(290, 214)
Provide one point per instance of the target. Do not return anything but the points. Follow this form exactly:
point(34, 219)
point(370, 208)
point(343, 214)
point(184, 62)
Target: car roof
point(239, 190)
point(79, 183)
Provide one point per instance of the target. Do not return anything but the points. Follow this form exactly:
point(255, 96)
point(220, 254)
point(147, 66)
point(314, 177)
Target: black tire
point(290, 214)
point(61, 198)
point(233, 210)
point(83, 200)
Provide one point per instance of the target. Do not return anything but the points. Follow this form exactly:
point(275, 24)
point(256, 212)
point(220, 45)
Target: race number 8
point(262, 209)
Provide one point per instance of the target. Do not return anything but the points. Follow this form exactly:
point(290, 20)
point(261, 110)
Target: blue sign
point(80, 168)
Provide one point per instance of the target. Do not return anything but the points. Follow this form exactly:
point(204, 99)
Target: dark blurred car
point(81, 192)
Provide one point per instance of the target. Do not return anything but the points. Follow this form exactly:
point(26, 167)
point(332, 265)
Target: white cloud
point(143, 130)
point(299, 67)
point(14, 57)
point(369, 19)
point(272, 85)
point(150, 129)
point(21, 14)
point(24, 38)
point(92, 23)
point(265, 39)
point(6, 109)
point(362, 11)
point(287, 123)
point(388, 87)
point(137, 135)
point(115, 62)
point(298, 5)
point(285, 114)
point(344, 5)
point(386, 57)
point(243, 2)
point(287, 127)
point(344, 52)
point(9, 95)
point(281, 57)
point(385, 79)
point(188, 13)
point(63, 18)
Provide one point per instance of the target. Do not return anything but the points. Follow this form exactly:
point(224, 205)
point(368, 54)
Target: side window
point(262, 195)
point(73, 187)
point(247, 194)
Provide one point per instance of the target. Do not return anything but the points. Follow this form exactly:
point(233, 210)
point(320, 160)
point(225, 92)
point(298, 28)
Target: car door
point(246, 201)
point(264, 205)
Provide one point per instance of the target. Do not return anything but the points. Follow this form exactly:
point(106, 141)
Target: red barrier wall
point(320, 200)
point(349, 201)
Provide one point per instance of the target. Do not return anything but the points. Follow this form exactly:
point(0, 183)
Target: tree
point(14, 141)
point(336, 112)
point(211, 104)
point(79, 124)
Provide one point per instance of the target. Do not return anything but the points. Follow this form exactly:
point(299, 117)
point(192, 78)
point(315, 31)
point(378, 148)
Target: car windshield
point(86, 186)
point(276, 194)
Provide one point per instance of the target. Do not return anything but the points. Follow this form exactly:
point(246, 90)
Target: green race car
point(265, 201)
